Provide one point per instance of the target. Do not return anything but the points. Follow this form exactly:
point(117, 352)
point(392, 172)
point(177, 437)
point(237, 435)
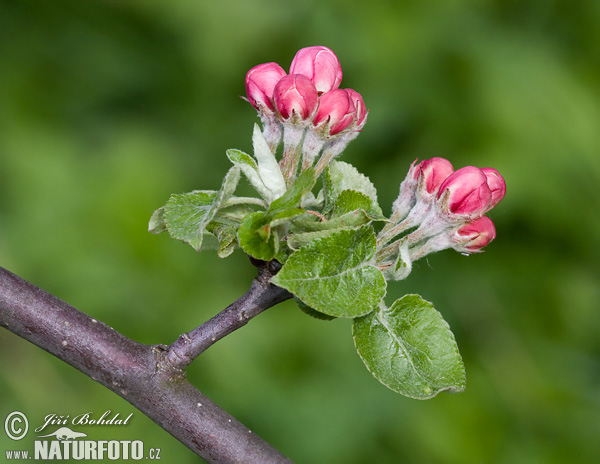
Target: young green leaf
point(333, 275)
point(293, 196)
point(310, 223)
point(410, 349)
point(187, 215)
point(250, 169)
point(401, 266)
point(233, 214)
point(352, 200)
point(298, 240)
point(340, 176)
point(268, 168)
point(257, 238)
point(227, 237)
point(157, 221)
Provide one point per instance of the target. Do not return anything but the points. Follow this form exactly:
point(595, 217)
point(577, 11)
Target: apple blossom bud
point(320, 65)
point(336, 111)
point(418, 192)
point(496, 184)
point(361, 109)
point(465, 193)
point(295, 97)
point(260, 83)
point(473, 236)
point(433, 172)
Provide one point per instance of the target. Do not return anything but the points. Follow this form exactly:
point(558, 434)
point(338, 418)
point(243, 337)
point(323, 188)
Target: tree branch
point(139, 373)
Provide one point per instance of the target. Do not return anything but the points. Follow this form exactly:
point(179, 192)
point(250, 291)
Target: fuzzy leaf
point(248, 166)
point(340, 176)
point(227, 237)
point(333, 275)
point(186, 215)
point(351, 200)
point(257, 238)
point(268, 168)
point(157, 221)
point(233, 214)
point(258, 234)
point(297, 241)
point(293, 196)
point(410, 349)
point(311, 223)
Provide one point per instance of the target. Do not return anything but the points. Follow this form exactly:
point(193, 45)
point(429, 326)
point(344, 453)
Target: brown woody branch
point(151, 378)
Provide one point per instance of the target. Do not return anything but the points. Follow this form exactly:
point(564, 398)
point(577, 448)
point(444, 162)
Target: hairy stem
point(139, 373)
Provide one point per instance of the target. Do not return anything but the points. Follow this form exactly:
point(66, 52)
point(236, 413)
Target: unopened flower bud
point(418, 192)
point(295, 98)
point(496, 184)
point(464, 194)
point(473, 236)
point(320, 65)
point(336, 111)
point(260, 83)
point(432, 173)
point(361, 108)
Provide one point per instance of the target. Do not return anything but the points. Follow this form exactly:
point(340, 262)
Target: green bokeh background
point(108, 107)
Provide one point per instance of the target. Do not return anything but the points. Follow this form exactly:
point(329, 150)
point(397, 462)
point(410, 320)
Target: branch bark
point(150, 377)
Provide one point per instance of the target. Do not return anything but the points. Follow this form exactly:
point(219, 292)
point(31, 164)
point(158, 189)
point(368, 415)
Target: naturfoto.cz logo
point(65, 443)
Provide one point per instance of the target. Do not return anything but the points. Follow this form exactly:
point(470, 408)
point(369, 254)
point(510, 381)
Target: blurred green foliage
point(107, 107)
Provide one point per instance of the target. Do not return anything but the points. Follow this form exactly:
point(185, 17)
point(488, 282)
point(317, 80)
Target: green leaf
point(333, 275)
point(410, 349)
point(399, 267)
point(268, 168)
point(157, 221)
point(310, 223)
point(257, 238)
point(258, 234)
point(351, 200)
point(227, 237)
point(186, 215)
point(233, 214)
point(297, 241)
point(283, 216)
point(340, 176)
point(248, 166)
point(292, 197)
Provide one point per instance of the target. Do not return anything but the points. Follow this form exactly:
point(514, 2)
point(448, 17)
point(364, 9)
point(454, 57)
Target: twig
point(139, 373)
point(260, 296)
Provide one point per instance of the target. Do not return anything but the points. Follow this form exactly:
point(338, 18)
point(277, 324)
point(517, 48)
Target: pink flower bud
point(320, 65)
point(433, 171)
point(260, 83)
point(295, 95)
point(473, 236)
point(496, 184)
point(361, 109)
point(465, 193)
point(336, 110)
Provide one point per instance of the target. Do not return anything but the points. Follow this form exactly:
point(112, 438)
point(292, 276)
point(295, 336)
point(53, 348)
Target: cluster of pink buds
point(306, 107)
point(442, 208)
